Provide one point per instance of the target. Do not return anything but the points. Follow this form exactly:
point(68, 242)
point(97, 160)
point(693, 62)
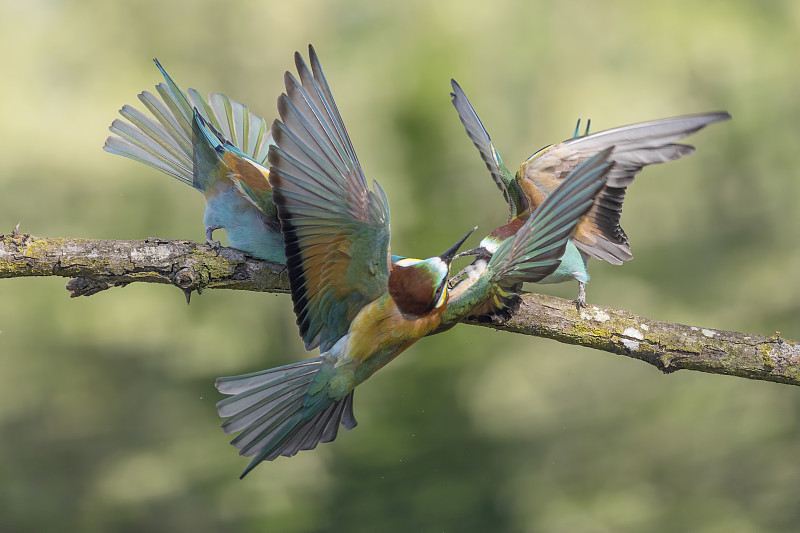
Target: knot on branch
point(187, 280)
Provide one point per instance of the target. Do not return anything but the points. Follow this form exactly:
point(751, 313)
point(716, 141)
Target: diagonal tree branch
point(96, 265)
point(667, 346)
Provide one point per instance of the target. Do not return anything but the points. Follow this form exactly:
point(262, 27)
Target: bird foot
point(580, 301)
point(216, 246)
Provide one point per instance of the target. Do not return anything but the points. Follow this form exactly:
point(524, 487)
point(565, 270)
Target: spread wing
point(535, 251)
point(480, 138)
point(599, 233)
point(336, 230)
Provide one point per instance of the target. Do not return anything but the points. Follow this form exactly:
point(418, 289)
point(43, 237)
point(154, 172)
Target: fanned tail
point(282, 410)
point(162, 139)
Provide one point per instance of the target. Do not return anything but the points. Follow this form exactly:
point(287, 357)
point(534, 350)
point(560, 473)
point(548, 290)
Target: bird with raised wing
point(599, 234)
point(216, 146)
point(358, 307)
point(491, 290)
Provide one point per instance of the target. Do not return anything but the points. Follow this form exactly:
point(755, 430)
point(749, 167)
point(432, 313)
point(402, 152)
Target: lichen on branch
point(97, 265)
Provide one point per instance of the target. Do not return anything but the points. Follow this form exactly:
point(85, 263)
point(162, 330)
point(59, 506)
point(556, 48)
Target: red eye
point(439, 292)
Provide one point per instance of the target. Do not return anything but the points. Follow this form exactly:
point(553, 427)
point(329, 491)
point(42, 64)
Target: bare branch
point(96, 265)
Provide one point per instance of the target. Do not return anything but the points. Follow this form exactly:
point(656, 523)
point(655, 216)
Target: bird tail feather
point(279, 412)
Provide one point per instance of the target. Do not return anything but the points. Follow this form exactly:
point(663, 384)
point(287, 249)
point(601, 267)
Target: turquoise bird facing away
point(361, 309)
point(216, 146)
point(599, 234)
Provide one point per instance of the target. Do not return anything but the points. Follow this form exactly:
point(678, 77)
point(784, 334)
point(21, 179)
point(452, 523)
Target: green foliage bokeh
point(107, 419)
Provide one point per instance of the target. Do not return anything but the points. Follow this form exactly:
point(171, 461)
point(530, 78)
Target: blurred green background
point(107, 419)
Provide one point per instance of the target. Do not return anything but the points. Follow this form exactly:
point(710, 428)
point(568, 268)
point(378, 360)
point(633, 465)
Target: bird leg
point(215, 245)
point(580, 301)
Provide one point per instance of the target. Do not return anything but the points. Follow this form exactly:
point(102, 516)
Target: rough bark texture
point(665, 345)
point(96, 265)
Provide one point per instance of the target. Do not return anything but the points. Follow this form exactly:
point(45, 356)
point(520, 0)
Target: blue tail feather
point(278, 413)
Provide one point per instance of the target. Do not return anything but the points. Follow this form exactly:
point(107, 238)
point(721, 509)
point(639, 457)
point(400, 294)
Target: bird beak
point(451, 253)
point(474, 251)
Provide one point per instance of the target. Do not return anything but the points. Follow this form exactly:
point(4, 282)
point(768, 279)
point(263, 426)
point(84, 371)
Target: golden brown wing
point(599, 233)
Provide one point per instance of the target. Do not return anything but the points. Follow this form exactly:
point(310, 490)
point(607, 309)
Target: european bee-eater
point(599, 233)
point(216, 146)
point(531, 254)
point(351, 301)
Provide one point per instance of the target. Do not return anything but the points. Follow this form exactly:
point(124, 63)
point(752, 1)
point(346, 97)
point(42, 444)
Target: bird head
point(420, 285)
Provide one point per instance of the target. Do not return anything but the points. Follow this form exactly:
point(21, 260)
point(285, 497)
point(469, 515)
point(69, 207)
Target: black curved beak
point(450, 254)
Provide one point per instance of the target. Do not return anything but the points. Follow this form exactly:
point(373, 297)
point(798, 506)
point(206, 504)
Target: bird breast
point(380, 332)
